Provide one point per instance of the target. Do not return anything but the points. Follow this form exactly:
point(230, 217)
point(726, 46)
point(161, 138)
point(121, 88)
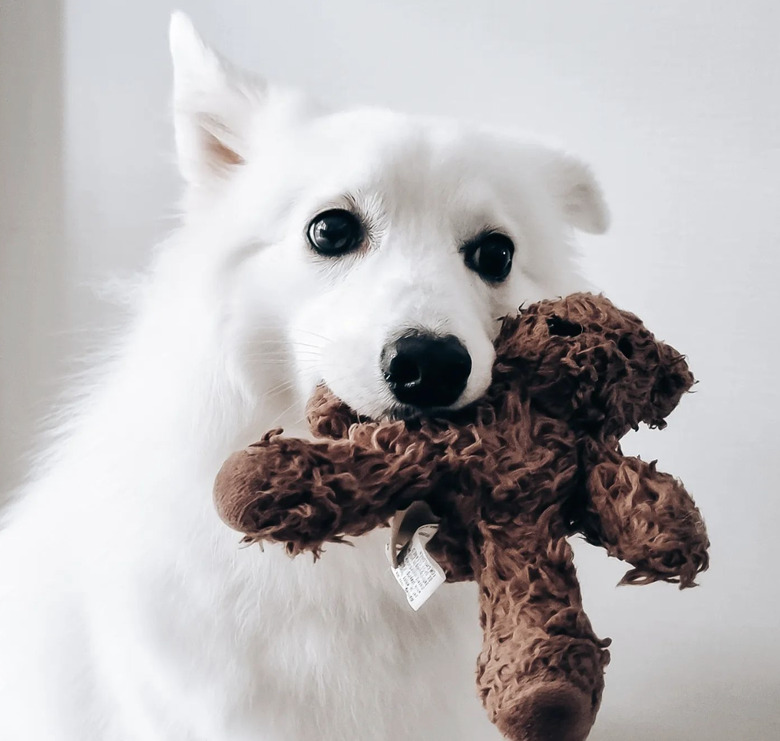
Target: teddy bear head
point(582, 359)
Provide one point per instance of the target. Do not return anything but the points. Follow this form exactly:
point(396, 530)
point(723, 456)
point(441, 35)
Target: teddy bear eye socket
point(563, 327)
point(625, 346)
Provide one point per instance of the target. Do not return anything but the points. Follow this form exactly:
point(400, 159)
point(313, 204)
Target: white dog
point(371, 250)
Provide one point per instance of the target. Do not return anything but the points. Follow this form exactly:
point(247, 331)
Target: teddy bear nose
point(426, 370)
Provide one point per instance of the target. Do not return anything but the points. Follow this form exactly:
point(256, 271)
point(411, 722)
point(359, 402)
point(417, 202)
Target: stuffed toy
point(507, 479)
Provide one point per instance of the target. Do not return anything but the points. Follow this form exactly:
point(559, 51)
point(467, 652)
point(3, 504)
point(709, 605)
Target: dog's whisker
point(280, 343)
point(315, 334)
point(280, 388)
point(283, 356)
point(284, 413)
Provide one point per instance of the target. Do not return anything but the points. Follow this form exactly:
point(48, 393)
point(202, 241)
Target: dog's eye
point(491, 256)
point(335, 232)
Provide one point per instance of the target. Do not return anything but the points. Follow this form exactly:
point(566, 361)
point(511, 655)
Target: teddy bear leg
point(551, 696)
point(541, 670)
point(552, 711)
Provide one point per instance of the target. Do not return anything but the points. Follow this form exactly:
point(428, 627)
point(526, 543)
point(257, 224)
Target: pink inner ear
point(219, 155)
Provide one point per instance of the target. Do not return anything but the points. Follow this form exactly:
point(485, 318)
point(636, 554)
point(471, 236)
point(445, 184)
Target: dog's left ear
point(214, 106)
point(579, 195)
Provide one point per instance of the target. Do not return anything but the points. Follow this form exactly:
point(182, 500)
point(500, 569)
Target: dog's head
point(367, 249)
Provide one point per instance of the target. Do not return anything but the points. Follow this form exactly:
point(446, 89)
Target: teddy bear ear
point(328, 416)
point(673, 379)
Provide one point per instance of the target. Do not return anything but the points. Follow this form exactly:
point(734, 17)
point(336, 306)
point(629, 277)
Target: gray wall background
point(677, 105)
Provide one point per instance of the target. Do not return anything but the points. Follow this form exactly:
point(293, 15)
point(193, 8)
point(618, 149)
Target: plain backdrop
point(677, 106)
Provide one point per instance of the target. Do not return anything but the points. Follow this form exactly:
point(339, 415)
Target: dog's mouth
point(405, 412)
point(408, 413)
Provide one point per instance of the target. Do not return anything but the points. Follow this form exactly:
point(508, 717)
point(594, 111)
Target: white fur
point(127, 610)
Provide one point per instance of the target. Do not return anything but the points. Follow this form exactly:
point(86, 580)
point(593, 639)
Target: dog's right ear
point(214, 104)
point(578, 194)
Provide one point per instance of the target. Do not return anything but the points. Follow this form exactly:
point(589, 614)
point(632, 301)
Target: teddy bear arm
point(305, 494)
point(540, 672)
point(647, 518)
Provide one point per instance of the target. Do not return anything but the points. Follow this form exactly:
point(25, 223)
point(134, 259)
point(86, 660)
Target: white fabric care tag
point(416, 571)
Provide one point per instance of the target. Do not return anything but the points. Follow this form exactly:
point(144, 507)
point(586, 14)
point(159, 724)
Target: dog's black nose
point(425, 370)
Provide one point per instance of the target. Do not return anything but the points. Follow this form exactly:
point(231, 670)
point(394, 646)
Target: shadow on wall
point(32, 250)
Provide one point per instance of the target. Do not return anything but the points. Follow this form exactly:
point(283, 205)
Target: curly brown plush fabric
point(509, 478)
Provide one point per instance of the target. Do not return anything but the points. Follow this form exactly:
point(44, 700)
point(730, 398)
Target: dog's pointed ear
point(213, 103)
point(579, 195)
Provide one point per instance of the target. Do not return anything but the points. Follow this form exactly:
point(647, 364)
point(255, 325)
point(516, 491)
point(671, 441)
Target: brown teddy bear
point(508, 479)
